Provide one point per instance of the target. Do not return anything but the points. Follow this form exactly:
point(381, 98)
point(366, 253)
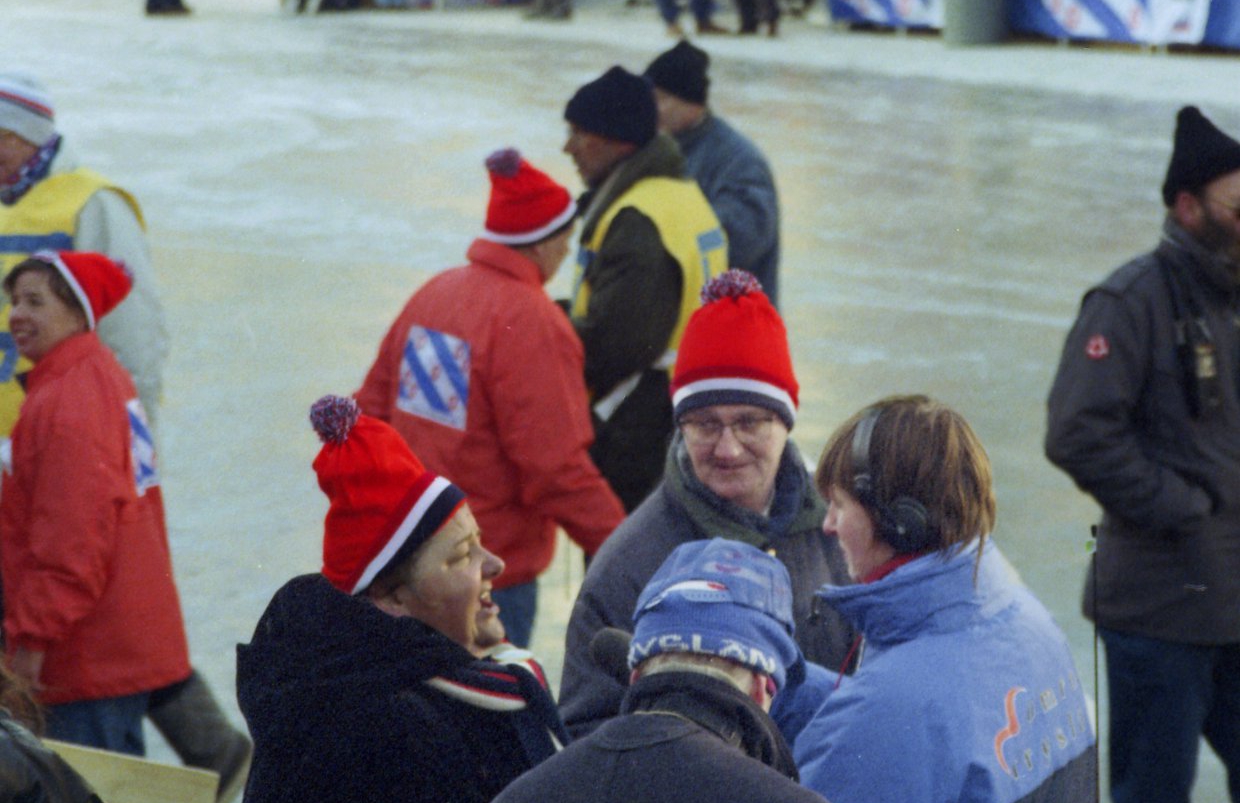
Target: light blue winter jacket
point(964, 693)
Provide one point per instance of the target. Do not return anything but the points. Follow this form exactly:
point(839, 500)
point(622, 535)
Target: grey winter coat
point(680, 510)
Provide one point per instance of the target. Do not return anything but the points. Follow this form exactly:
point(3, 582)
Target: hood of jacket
point(932, 594)
point(716, 706)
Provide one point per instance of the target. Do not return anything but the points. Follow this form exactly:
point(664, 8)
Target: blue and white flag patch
point(434, 377)
point(141, 448)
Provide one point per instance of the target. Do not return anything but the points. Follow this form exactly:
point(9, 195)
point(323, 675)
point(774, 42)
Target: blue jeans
point(1163, 698)
point(517, 607)
point(670, 10)
point(113, 723)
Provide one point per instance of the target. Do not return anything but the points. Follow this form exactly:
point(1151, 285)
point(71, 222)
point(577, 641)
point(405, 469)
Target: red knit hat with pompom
point(526, 204)
point(98, 283)
point(735, 351)
point(384, 503)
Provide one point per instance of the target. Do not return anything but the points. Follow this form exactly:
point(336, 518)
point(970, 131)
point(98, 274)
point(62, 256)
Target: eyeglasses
point(748, 429)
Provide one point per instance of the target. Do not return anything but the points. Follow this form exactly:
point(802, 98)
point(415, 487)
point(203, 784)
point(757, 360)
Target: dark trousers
point(1163, 698)
point(518, 606)
point(112, 723)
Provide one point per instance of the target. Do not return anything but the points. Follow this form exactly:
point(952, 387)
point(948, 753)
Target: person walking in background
point(387, 675)
point(729, 168)
point(731, 472)
point(649, 242)
point(91, 615)
point(712, 646)
point(966, 688)
point(1144, 415)
point(483, 372)
point(703, 14)
point(173, 8)
point(48, 200)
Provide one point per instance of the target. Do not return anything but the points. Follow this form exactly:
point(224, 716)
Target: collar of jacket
point(1183, 252)
point(317, 642)
point(796, 505)
point(504, 259)
point(61, 357)
point(660, 156)
point(931, 594)
point(690, 137)
point(717, 706)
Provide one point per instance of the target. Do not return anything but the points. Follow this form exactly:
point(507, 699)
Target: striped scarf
point(33, 171)
point(510, 680)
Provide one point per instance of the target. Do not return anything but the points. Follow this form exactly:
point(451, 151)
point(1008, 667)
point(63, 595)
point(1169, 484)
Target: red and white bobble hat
point(98, 282)
point(526, 204)
point(384, 503)
point(735, 351)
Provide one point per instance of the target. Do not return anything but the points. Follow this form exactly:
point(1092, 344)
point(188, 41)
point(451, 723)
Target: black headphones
point(904, 524)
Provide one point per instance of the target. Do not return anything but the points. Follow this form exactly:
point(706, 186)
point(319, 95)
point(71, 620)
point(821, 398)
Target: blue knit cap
point(723, 598)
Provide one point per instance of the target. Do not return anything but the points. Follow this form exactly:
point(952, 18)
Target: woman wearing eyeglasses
point(966, 688)
point(731, 472)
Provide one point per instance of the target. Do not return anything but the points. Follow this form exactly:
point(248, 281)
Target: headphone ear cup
point(906, 526)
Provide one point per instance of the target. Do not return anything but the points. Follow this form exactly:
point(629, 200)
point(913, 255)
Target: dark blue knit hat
point(723, 598)
point(618, 105)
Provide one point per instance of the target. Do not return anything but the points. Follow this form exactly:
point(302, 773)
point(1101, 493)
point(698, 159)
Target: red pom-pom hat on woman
point(384, 503)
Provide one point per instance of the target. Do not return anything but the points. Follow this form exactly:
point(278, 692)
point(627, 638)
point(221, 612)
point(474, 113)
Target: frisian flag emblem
point(141, 448)
point(434, 377)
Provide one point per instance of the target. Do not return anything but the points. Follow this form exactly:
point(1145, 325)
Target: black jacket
point(1122, 424)
point(334, 693)
point(635, 287)
point(683, 738)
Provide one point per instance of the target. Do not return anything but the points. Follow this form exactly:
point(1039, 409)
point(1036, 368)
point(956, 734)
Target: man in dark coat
point(712, 644)
point(649, 241)
point(1144, 415)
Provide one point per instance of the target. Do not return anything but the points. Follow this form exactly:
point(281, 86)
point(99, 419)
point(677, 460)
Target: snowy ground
point(943, 210)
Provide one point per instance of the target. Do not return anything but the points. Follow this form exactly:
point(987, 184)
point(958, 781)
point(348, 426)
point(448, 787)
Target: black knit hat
point(618, 105)
point(682, 72)
point(1201, 154)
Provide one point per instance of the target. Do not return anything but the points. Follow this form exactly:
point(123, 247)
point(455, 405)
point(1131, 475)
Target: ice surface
point(944, 208)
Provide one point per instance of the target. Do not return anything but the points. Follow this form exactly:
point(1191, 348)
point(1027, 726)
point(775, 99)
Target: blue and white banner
point(434, 377)
point(141, 448)
point(895, 13)
point(1153, 22)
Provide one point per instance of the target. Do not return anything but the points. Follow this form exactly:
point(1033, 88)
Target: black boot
point(192, 723)
point(167, 8)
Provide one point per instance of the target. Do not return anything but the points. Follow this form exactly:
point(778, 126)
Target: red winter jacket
point(83, 550)
point(482, 375)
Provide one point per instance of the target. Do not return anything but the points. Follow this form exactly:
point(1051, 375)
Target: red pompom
point(333, 417)
point(733, 283)
point(504, 162)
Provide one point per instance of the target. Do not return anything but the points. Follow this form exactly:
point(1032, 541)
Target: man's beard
point(1220, 238)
